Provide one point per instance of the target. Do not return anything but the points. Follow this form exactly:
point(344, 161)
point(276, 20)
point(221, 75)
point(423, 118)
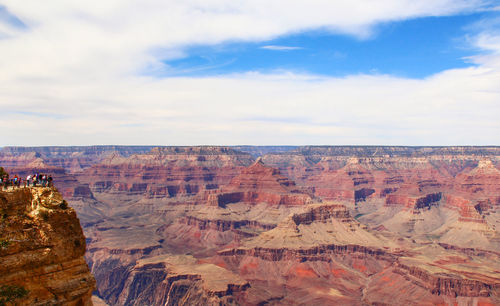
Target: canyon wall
point(283, 225)
point(42, 250)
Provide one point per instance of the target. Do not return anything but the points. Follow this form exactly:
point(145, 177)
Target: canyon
point(250, 225)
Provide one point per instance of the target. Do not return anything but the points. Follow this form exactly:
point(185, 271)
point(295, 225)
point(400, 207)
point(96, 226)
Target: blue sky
point(8, 17)
point(262, 72)
point(414, 48)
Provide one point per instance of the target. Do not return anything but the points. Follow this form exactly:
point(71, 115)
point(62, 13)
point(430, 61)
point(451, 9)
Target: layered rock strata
point(43, 248)
point(390, 225)
point(174, 280)
point(260, 184)
point(167, 173)
point(324, 242)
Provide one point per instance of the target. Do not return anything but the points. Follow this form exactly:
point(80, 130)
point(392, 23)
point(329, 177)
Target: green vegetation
point(63, 204)
point(4, 243)
point(3, 172)
point(9, 293)
point(358, 216)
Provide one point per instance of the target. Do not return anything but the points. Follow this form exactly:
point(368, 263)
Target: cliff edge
point(41, 250)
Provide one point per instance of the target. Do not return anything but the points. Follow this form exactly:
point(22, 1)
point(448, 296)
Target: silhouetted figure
point(5, 181)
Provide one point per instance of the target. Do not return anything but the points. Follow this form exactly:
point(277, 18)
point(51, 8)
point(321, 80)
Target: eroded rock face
point(448, 192)
point(414, 203)
point(73, 159)
point(167, 173)
point(325, 248)
point(43, 248)
point(370, 172)
point(260, 184)
point(306, 225)
point(173, 280)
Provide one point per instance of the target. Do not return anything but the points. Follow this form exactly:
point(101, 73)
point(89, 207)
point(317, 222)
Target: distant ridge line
point(313, 150)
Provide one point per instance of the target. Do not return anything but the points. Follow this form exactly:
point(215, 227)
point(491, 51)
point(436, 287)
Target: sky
point(233, 72)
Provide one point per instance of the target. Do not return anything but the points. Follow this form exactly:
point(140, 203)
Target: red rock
point(167, 172)
point(260, 184)
point(137, 205)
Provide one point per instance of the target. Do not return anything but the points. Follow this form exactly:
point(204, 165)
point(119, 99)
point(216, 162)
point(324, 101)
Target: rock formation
point(323, 247)
point(260, 184)
point(299, 225)
point(42, 249)
point(167, 173)
point(174, 280)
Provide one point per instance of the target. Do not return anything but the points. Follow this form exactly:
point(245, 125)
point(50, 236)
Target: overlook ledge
point(41, 249)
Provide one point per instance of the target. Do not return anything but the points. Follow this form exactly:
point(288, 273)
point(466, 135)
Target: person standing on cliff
point(49, 179)
point(27, 183)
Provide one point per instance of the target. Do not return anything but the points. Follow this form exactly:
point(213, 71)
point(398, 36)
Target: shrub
point(3, 172)
point(9, 293)
point(63, 204)
point(3, 214)
point(4, 243)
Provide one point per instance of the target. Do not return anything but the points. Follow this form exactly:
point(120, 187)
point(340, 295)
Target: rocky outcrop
point(467, 210)
point(42, 248)
point(450, 285)
point(325, 235)
point(67, 184)
point(361, 194)
point(150, 278)
point(167, 173)
point(260, 184)
point(224, 225)
point(322, 214)
point(317, 229)
point(174, 280)
point(414, 203)
point(339, 172)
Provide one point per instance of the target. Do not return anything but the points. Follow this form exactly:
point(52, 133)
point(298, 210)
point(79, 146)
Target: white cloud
point(79, 66)
point(100, 39)
point(280, 48)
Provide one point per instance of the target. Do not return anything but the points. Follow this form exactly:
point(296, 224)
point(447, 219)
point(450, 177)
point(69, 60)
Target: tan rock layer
point(43, 248)
point(451, 286)
point(319, 253)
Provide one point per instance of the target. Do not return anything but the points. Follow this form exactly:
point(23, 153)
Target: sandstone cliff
point(41, 249)
point(260, 184)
